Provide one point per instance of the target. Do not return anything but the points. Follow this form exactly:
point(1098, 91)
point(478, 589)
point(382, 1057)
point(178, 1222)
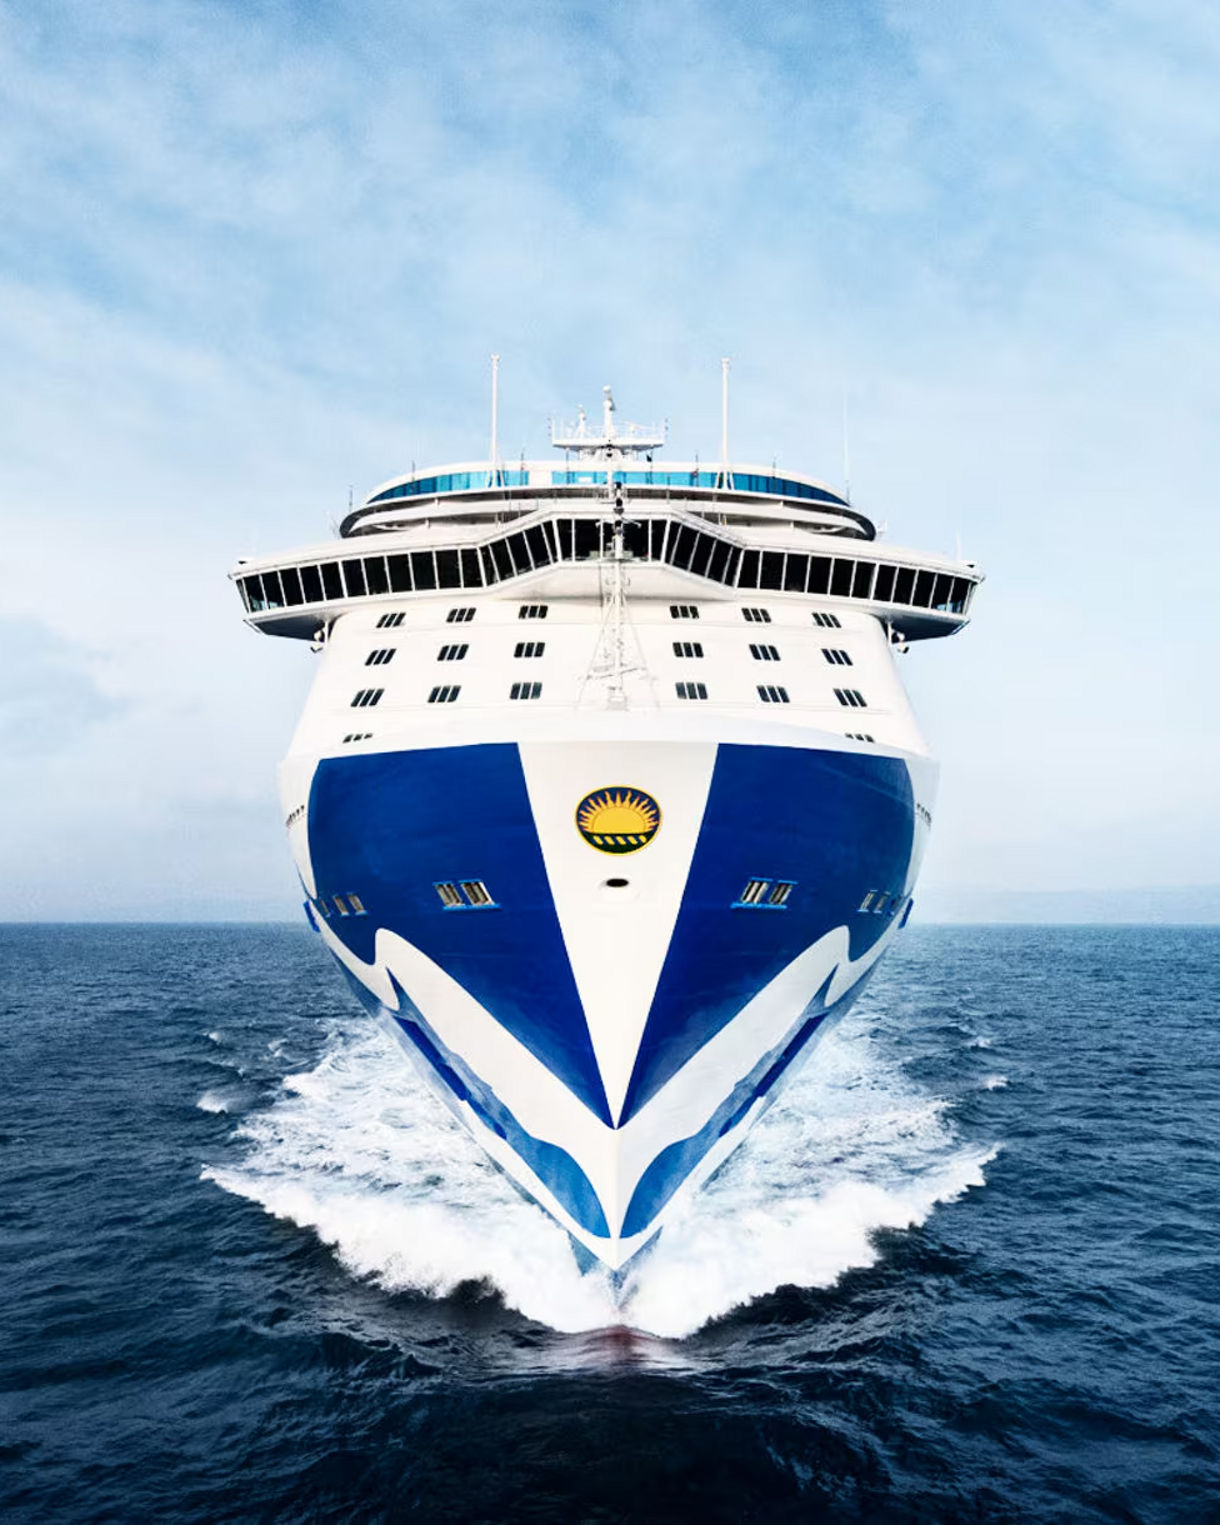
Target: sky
point(256, 255)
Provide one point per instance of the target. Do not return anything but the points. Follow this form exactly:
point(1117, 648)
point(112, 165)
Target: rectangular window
point(862, 586)
point(691, 690)
point(770, 694)
point(448, 572)
point(380, 657)
point(780, 892)
point(866, 903)
point(423, 570)
point(904, 584)
point(529, 648)
point(290, 577)
point(452, 653)
point(311, 582)
point(688, 649)
point(836, 657)
point(826, 621)
point(924, 583)
point(754, 891)
point(852, 697)
point(353, 574)
point(391, 621)
point(819, 574)
point(756, 616)
point(332, 584)
point(356, 904)
point(459, 616)
point(883, 588)
point(448, 895)
point(772, 575)
point(341, 905)
point(525, 691)
point(765, 653)
point(858, 736)
point(375, 574)
point(476, 892)
point(400, 573)
point(532, 611)
point(357, 736)
point(366, 698)
point(684, 611)
point(445, 694)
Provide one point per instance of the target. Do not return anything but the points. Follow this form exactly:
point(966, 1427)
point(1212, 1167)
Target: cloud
point(49, 696)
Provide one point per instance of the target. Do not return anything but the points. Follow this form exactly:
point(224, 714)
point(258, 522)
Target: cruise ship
point(607, 797)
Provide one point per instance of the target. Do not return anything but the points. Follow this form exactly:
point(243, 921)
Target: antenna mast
point(846, 454)
point(726, 479)
point(495, 420)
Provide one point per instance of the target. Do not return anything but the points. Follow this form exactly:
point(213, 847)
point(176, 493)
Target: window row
point(343, 905)
point(882, 903)
point(578, 476)
point(447, 693)
point(465, 895)
point(765, 894)
point(665, 540)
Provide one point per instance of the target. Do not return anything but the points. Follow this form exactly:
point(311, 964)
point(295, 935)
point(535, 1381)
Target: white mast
point(495, 419)
point(726, 479)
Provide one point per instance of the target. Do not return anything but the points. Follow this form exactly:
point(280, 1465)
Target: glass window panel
point(795, 573)
point(718, 566)
point(272, 592)
point(290, 578)
point(862, 583)
point(252, 588)
point(471, 575)
point(682, 546)
point(772, 574)
point(840, 577)
point(400, 574)
point(819, 574)
point(883, 589)
point(539, 549)
point(448, 572)
point(635, 540)
point(940, 593)
point(422, 569)
point(501, 560)
point(702, 557)
point(904, 582)
point(957, 602)
point(923, 589)
point(751, 561)
point(375, 575)
point(332, 584)
point(353, 575)
point(311, 585)
point(586, 537)
point(518, 550)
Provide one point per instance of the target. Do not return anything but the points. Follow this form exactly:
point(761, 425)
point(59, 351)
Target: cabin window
point(445, 694)
point(357, 736)
point(756, 616)
point(365, 698)
point(452, 653)
point(356, 904)
point(765, 653)
point(448, 893)
point(691, 690)
point(859, 736)
point(391, 621)
point(827, 621)
point(836, 657)
point(459, 616)
point(684, 611)
point(851, 697)
point(532, 611)
point(525, 691)
point(476, 892)
point(380, 657)
point(688, 649)
point(769, 693)
point(529, 648)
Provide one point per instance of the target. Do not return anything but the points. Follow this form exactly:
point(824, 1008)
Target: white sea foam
point(359, 1151)
point(995, 1082)
point(216, 1101)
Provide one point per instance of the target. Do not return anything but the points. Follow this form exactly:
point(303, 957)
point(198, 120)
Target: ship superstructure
point(607, 796)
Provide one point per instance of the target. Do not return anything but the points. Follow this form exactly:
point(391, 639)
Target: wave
point(359, 1151)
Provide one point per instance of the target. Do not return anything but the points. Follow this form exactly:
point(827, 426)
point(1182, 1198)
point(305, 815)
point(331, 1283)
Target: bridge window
point(851, 697)
point(532, 611)
point(904, 584)
point(459, 616)
point(688, 649)
point(756, 616)
point(366, 698)
point(691, 690)
point(836, 657)
point(684, 611)
point(529, 648)
point(391, 621)
point(862, 584)
point(840, 577)
point(452, 653)
point(353, 576)
point(827, 621)
point(769, 693)
point(311, 584)
point(380, 657)
point(445, 694)
point(765, 653)
point(883, 588)
point(925, 581)
point(525, 691)
point(375, 574)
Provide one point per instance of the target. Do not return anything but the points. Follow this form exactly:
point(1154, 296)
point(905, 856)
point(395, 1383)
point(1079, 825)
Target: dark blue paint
point(390, 825)
point(838, 823)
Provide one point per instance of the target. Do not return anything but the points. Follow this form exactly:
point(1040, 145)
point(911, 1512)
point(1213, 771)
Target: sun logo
point(618, 820)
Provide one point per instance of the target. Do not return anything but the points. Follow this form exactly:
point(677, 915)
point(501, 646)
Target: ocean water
point(967, 1270)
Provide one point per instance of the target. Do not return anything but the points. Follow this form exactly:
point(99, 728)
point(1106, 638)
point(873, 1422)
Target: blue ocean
point(968, 1269)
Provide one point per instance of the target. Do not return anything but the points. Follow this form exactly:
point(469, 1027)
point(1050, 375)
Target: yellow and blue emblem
point(618, 820)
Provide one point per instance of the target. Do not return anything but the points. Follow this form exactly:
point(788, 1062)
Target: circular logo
point(618, 820)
